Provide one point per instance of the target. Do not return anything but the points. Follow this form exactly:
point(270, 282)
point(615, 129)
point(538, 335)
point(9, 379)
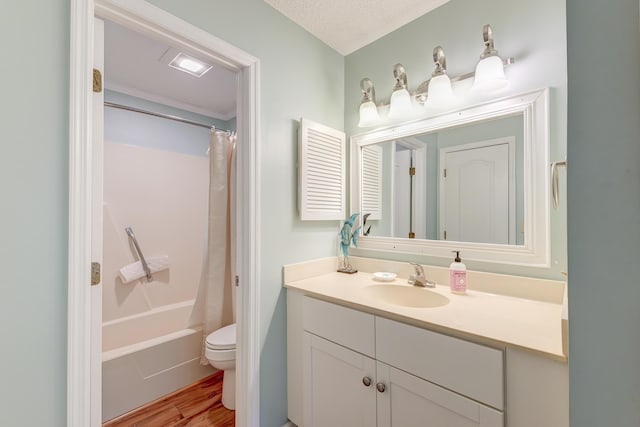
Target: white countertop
point(487, 318)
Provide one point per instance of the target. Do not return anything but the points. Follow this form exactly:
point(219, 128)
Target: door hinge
point(412, 171)
point(97, 80)
point(445, 234)
point(445, 172)
point(95, 273)
point(237, 281)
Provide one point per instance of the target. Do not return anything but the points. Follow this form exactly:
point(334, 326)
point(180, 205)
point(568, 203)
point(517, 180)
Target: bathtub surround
point(214, 306)
point(165, 203)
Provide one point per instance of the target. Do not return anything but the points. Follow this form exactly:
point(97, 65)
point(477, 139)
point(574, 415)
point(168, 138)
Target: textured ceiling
point(137, 65)
point(348, 25)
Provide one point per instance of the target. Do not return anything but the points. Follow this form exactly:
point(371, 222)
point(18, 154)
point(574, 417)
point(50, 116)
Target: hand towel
point(134, 271)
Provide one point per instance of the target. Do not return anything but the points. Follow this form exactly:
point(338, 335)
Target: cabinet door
point(335, 393)
point(409, 401)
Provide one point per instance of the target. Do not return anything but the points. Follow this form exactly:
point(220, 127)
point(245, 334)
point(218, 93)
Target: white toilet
point(221, 353)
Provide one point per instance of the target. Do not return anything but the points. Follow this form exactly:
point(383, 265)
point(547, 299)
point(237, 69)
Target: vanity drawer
point(344, 326)
point(473, 370)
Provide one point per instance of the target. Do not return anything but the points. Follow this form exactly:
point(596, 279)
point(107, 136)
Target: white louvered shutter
point(321, 175)
point(372, 181)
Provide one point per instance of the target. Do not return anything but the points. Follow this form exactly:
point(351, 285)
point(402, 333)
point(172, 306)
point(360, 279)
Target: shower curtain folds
point(214, 306)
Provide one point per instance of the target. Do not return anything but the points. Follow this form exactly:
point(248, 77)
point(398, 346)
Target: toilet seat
point(222, 339)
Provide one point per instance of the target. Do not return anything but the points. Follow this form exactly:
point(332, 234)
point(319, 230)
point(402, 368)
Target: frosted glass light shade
point(368, 114)
point(400, 104)
point(440, 91)
point(490, 74)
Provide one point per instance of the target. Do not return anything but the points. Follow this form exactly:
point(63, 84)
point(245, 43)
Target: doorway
point(158, 123)
point(82, 356)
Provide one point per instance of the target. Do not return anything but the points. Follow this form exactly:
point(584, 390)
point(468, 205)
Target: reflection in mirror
point(463, 183)
point(475, 180)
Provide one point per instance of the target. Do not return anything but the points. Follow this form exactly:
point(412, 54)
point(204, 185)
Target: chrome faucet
point(419, 278)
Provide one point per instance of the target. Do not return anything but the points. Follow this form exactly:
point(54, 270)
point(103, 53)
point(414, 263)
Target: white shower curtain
point(215, 302)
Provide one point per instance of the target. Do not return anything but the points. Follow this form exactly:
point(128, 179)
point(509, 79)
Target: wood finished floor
point(197, 405)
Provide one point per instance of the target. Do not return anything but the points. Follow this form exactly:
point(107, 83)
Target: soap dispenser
point(458, 275)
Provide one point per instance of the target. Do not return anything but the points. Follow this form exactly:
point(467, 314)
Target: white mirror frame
point(534, 106)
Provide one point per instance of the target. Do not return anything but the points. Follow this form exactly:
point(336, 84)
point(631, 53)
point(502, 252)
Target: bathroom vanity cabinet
point(360, 369)
point(350, 367)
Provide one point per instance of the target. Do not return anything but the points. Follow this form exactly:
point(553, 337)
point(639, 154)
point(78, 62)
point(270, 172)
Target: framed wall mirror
point(475, 180)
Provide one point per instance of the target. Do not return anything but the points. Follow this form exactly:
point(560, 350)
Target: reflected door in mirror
point(477, 199)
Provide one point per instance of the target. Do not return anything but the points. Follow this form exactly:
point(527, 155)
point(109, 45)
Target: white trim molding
point(80, 174)
point(150, 20)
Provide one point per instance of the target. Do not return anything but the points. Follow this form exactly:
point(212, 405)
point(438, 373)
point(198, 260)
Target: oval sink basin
point(406, 296)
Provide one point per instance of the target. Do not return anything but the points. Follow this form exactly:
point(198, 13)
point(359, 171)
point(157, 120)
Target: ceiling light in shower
point(190, 65)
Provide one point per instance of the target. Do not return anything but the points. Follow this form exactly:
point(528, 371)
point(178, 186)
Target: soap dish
point(384, 276)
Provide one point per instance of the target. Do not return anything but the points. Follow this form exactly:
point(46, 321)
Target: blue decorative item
point(347, 238)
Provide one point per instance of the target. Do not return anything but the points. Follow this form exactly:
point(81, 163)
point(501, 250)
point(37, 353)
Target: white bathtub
point(148, 355)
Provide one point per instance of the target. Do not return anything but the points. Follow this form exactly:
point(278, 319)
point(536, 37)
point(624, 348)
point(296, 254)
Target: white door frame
point(148, 19)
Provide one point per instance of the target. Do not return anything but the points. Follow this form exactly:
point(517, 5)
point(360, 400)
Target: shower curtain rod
point(164, 116)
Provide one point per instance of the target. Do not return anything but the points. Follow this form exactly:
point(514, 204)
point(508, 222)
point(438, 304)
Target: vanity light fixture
point(368, 110)
point(436, 91)
point(190, 65)
point(439, 91)
point(400, 104)
point(489, 73)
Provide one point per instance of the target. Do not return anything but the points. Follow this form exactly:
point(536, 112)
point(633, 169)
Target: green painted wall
point(33, 219)
point(532, 32)
point(604, 212)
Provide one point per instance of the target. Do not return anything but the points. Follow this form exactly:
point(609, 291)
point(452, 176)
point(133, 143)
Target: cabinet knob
point(366, 381)
point(381, 387)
